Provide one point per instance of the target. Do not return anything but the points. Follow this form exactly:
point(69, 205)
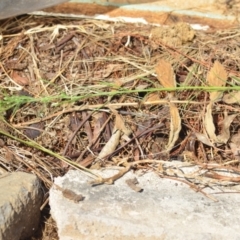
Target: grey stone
point(20, 201)
point(165, 209)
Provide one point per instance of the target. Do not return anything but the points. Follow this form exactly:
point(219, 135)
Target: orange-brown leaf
point(152, 98)
point(165, 74)
point(23, 81)
point(217, 77)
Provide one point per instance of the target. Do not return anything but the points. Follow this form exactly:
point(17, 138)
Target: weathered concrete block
point(20, 201)
point(165, 209)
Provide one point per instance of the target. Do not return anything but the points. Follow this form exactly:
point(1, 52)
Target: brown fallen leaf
point(204, 139)
point(224, 136)
point(209, 124)
point(107, 71)
point(120, 125)
point(132, 184)
point(74, 122)
point(165, 74)
point(166, 77)
point(231, 98)
point(152, 98)
point(98, 121)
point(217, 77)
point(34, 130)
point(23, 81)
point(175, 126)
point(225, 133)
point(235, 145)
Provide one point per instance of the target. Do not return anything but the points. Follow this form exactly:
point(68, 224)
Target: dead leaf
point(225, 133)
point(87, 127)
point(175, 127)
point(166, 77)
point(98, 121)
point(107, 71)
point(208, 123)
point(111, 145)
point(120, 125)
point(2, 143)
point(165, 74)
point(9, 156)
point(152, 98)
point(34, 130)
point(132, 184)
point(235, 145)
point(204, 139)
point(231, 98)
point(210, 127)
point(74, 122)
point(23, 81)
point(217, 77)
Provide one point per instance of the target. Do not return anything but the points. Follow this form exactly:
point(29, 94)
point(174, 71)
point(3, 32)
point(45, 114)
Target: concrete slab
point(165, 209)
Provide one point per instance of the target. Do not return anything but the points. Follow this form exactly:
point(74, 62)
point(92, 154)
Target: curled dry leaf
point(111, 144)
point(210, 128)
point(120, 125)
point(166, 77)
point(165, 74)
point(217, 77)
point(225, 133)
point(175, 126)
point(208, 123)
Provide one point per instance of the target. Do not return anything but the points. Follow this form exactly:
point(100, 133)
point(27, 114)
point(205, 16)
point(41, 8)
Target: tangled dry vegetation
point(89, 94)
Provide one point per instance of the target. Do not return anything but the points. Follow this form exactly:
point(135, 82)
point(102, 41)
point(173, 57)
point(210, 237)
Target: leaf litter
point(83, 93)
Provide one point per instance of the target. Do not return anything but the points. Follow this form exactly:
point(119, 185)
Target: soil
point(90, 93)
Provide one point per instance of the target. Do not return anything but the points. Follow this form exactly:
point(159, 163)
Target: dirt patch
point(89, 94)
point(175, 35)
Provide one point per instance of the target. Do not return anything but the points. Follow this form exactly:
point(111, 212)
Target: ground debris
point(123, 91)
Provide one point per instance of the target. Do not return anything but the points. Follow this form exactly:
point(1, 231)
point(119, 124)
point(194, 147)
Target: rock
point(164, 209)
point(20, 200)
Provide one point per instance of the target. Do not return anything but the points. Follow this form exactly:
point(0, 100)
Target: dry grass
point(68, 85)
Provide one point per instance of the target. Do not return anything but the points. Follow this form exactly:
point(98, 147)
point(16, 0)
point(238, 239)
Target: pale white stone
point(166, 209)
